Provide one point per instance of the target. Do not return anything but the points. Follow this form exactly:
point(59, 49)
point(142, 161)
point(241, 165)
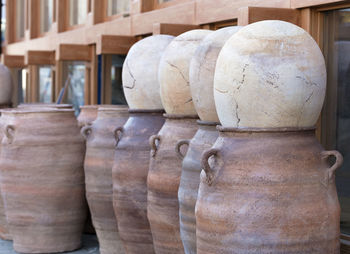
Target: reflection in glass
point(46, 15)
point(78, 10)
point(118, 7)
point(22, 85)
point(20, 18)
point(117, 93)
point(336, 115)
point(45, 84)
point(163, 1)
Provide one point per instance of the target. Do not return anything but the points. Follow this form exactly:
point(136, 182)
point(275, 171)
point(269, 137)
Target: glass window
point(22, 85)
point(20, 18)
point(78, 10)
point(3, 20)
point(75, 72)
point(45, 84)
point(117, 7)
point(163, 1)
point(46, 15)
point(117, 93)
point(336, 113)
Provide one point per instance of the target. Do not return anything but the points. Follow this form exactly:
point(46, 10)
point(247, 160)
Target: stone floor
point(90, 246)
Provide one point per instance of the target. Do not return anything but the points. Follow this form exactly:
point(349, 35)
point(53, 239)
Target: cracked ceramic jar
point(99, 158)
point(130, 170)
point(42, 179)
point(140, 72)
point(268, 191)
point(174, 72)
point(88, 114)
point(202, 69)
point(5, 87)
point(280, 67)
point(163, 182)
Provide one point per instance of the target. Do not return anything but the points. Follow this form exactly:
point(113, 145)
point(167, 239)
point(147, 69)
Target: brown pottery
point(87, 114)
point(42, 179)
point(45, 105)
point(268, 191)
point(163, 182)
point(130, 172)
point(99, 157)
point(204, 139)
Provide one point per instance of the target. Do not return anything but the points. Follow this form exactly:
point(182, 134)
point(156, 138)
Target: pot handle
point(338, 162)
point(178, 146)
point(9, 133)
point(118, 133)
point(152, 143)
point(86, 131)
point(205, 163)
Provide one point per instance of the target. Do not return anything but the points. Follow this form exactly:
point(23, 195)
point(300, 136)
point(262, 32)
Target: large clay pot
point(45, 105)
point(202, 70)
point(130, 172)
point(5, 87)
point(88, 114)
point(278, 66)
point(42, 179)
point(99, 157)
point(163, 182)
point(268, 191)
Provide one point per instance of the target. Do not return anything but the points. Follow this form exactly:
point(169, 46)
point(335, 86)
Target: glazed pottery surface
point(267, 192)
point(42, 179)
point(5, 85)
point(130, 172)
point(174, 72)
point(99, 158)
point(87, 114)
point(204, 138)
point(270, 74)
point(202, 70)
point(140, 72)
point(163, 183)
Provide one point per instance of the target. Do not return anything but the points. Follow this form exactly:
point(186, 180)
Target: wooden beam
point(114, 44)
point(13, 61)
point(99, 11)
point(309, 3)
point(33, 57)
point(172, 29)
point(248, 15)
point(73, 52)
point(34, 18)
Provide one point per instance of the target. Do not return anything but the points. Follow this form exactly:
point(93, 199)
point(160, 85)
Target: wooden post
point(172, 29)
point(114, 44)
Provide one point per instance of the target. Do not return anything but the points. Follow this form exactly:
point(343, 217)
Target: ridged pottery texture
point(173, 73)
point(5, 86)
point(163, 183)
point(204, 139)
point(4, 228)
point(270, 74)
point(130, 172)
point(87, 114)
point(268, 191)
point(140, 72)
point(202, 70)
point(42, 180)
point(99, 158)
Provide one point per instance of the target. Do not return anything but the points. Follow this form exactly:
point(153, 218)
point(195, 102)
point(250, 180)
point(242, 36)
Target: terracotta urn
point(202, 70)
point(266, 184)
point(131, 162)
point(174, 72)
point(99, 158)
point(165, 165)
point(88, 114)
point(278, 66)
point(5, 86)
point(45, 105)
point(42, 179)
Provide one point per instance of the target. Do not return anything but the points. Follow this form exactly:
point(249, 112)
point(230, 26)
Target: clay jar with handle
point(202, 70)
point(131, 164)
point(88, 114)
point(99, 157)
point(42, 179)
point(163, 182)
point(130, 172)
point(268, 191)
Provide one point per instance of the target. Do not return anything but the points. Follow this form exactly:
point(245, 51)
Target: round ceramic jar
point(140, 80)
point(270, 74)
point(202, 70)
point(174, 72)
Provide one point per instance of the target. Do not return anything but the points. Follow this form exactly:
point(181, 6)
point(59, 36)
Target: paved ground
point(90, 246)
